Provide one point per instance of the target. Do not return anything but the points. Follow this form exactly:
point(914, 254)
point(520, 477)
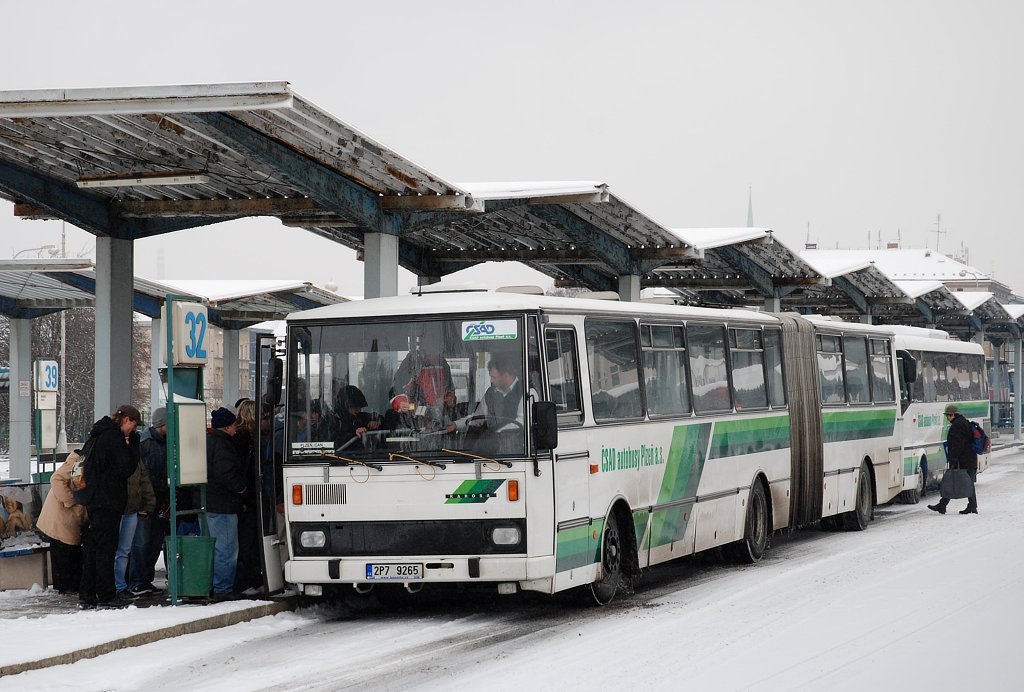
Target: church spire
point(750, 206)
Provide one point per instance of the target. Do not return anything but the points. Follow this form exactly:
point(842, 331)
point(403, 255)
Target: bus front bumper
point(390, 569)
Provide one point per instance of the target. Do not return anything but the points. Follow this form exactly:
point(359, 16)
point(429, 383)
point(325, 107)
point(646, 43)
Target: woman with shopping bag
point(960, 477)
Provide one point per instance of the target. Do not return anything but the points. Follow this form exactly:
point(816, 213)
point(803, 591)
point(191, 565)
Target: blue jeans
point(224, 527)
point(131, 541)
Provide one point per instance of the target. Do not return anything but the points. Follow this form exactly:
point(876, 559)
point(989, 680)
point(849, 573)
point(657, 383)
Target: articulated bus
point(948, 372)
point(545, 444)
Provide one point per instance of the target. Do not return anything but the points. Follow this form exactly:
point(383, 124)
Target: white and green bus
point(544, 443)
point(948, 372)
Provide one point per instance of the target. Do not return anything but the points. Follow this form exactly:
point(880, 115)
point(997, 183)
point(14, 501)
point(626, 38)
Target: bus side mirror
point(909, 366)
point(545, 425)
point(275, 373)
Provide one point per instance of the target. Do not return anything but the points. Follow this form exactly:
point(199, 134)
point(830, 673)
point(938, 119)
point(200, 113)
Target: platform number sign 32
point(195, 343)
point(190, 329)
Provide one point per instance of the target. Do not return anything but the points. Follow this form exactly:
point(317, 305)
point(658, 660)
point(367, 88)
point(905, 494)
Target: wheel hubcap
point(611, 551)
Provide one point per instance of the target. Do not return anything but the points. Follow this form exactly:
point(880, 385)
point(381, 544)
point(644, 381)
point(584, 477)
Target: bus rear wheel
point(603, 591)
point(751, 547)
point(864, 508)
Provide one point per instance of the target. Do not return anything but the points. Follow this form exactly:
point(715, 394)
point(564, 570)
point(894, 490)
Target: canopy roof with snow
point(131, 163)
point(33, 288)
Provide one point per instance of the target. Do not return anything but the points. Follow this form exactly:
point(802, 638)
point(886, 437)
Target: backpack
point(83, 475)
point(979, 440)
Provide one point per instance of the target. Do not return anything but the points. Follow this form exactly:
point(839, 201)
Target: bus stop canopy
point(131, 163)
point(32, 288)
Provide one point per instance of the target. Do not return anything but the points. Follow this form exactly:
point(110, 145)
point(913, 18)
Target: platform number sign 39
point(190, 330)
point(47, 376)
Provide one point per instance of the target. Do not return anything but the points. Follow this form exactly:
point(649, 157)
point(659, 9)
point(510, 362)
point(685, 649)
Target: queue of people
point(105, 544)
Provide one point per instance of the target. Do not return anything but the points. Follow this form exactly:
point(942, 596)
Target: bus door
point(270, 443)
point(573, 458)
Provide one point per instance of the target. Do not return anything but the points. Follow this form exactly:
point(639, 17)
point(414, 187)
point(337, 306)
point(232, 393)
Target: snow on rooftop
point(973, 300)
point(531, 188)
point(916, 289)
point(902, 263)
point(707, 238)
point(832, 265)
point(220, 289)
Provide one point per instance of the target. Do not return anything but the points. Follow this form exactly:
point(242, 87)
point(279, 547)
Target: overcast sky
point(863, 119)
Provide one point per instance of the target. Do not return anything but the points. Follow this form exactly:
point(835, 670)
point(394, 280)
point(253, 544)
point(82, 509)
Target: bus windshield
point(448, 388)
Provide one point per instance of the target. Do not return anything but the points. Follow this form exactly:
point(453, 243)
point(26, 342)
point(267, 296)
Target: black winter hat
point(221, 418)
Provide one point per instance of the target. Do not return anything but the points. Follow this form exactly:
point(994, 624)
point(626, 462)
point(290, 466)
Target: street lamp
point(49, 248)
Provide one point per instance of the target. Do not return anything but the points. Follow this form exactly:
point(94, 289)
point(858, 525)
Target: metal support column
point(20, 397)
point(231, 367)
point(114, 293)
point(629, 288)
point(772, 305)
point(380, 270)
point(156, 361)
point(427, 280)
point(866, 318)
point(1018, 344)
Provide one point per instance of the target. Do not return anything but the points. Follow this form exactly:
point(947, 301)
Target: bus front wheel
point(914, 495)
point(603, 590)
point(863, 511)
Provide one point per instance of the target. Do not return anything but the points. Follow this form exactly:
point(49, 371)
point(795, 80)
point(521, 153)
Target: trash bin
point(195, 564)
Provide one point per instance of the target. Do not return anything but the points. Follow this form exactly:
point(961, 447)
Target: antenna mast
point(938, 230)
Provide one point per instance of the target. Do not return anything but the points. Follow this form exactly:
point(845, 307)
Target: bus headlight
point(506, 535)
point(312, 539)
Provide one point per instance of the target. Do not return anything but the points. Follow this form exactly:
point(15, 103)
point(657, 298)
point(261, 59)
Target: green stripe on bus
point(975, 409)
point(683, 468)
point(640, 518)
point(736, 437)
point(685, 462)
point(838, 426)
point(578, 547)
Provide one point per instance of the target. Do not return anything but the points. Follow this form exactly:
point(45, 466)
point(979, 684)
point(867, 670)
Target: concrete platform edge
point(210, 623)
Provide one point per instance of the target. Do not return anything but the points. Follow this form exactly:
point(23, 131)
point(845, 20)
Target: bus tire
point(603, 590)
point(864, 507)
point(756, 532)
point(914, 495)
point(833, 522)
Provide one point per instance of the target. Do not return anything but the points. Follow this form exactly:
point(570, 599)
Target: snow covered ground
point(918, 601)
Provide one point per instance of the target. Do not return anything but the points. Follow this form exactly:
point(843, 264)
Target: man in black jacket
point(114, 457)
point(225, 489)
point(961, 454)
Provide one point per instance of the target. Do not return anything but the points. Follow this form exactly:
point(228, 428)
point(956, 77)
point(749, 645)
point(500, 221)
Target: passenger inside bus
point(323, 423)
point(424, 378)
point(353, 422)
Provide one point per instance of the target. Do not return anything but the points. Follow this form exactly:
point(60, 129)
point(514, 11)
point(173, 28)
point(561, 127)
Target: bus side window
point(614, 359)
point(830, 369)
point(563, 375)
point(773, 364)
point(855, 359)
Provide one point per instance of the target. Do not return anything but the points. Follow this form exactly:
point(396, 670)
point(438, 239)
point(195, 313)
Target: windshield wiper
point(392, 456)
point(476, 457)
point(349, 462)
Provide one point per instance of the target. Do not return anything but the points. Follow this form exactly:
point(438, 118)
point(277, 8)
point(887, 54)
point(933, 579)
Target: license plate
point(376, 570)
